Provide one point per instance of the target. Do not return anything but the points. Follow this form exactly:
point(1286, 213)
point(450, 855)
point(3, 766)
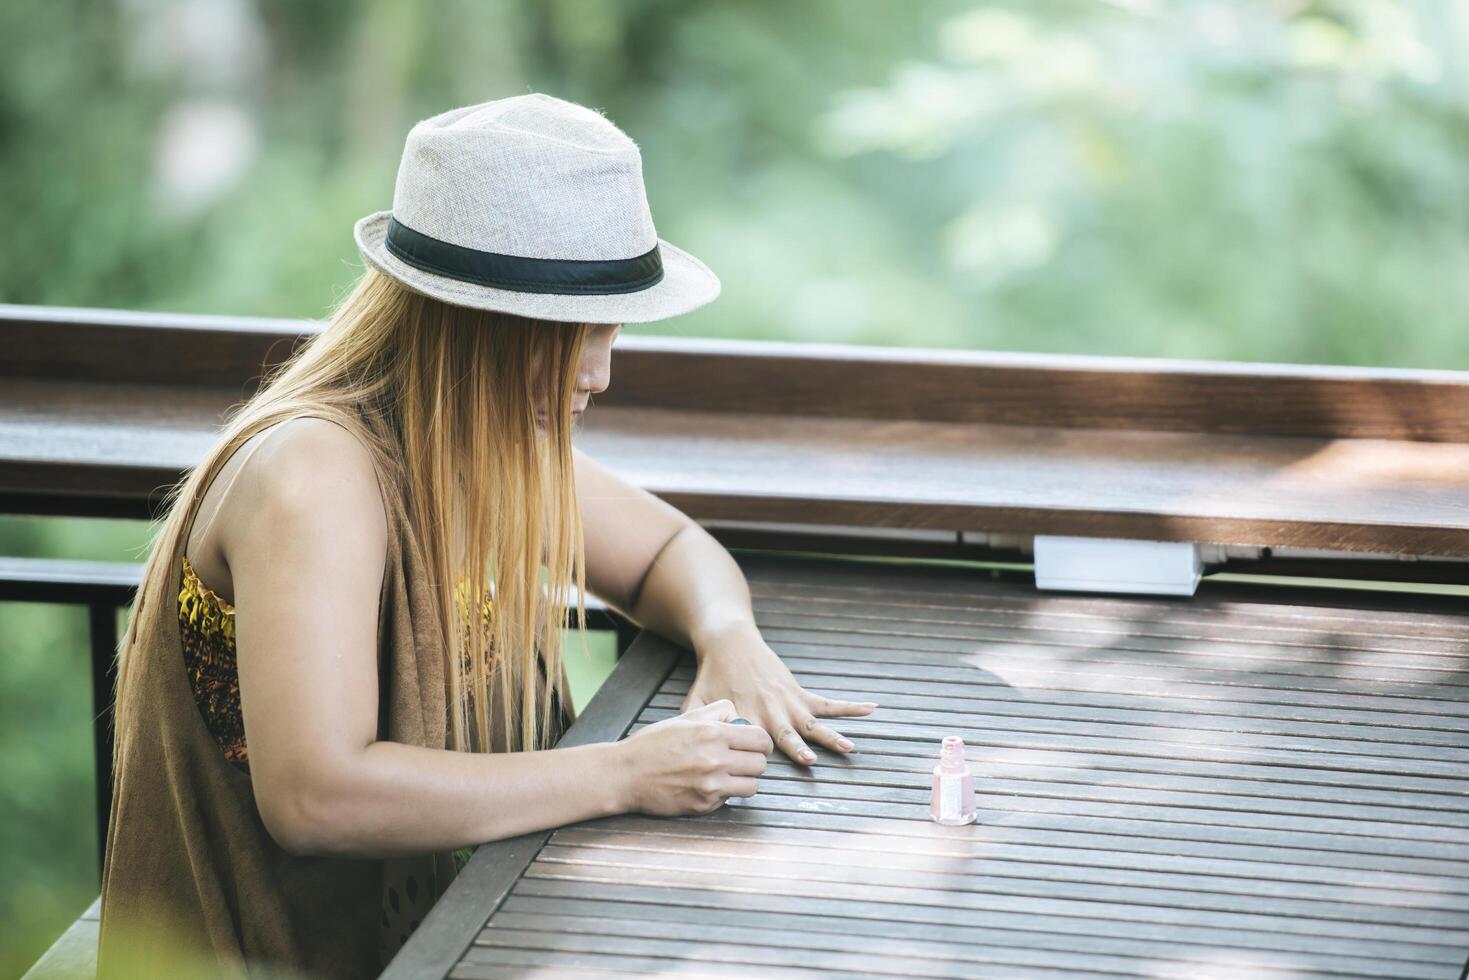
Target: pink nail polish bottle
point(952, 802)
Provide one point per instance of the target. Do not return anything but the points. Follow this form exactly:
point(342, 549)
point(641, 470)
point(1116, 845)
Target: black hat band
point(588, 277)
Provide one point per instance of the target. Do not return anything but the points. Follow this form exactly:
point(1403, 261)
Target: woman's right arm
point(305, 537)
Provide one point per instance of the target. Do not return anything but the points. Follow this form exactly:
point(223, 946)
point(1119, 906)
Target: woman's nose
point(597, 379)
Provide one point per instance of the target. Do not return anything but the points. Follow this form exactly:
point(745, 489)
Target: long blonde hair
point(445, 398)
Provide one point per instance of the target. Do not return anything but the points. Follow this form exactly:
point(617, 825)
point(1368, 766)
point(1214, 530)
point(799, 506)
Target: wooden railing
point(101, 411)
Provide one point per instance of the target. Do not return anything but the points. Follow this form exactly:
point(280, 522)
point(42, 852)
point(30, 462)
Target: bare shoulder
point(310, 476)
point(301, 454)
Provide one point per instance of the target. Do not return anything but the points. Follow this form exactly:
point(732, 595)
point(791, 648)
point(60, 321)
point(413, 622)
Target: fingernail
point(845, 743)
point(808, 756)
point(869, 704)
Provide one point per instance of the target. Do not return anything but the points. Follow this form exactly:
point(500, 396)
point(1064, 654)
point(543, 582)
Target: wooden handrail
point(824, 380)
point(100, 411)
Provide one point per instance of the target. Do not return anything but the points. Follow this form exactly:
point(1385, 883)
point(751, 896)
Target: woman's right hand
point(690, 764)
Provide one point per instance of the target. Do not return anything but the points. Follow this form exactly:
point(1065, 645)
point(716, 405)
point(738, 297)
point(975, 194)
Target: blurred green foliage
point(1251, 179)
point(1276, 180)
point(48, 838)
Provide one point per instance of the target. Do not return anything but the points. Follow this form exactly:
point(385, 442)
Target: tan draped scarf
point(190, 869)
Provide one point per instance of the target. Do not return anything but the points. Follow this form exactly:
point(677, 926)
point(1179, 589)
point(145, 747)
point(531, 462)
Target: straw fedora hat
point(531, 205)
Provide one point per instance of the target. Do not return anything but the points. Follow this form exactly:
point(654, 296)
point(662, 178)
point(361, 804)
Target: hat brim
point(687, 284)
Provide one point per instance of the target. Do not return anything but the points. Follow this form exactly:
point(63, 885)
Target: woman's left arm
point(665, 572)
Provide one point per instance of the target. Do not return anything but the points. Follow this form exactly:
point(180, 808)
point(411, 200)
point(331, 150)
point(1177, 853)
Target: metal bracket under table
point(1253, 782)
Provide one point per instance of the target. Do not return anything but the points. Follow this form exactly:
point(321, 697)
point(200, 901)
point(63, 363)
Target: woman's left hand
point(750, 674)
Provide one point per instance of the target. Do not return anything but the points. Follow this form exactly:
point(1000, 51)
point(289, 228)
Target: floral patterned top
point(207, 628)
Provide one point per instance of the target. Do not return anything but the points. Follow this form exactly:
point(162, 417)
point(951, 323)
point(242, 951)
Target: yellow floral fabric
point(207, 629)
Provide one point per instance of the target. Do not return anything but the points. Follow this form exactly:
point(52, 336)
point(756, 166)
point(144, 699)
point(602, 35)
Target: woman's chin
point(543, 427)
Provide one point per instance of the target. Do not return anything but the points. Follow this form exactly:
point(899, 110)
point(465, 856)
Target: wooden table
point(1255, 782)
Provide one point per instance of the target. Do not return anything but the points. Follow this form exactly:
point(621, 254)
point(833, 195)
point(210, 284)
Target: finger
point(721, 710)
point(830, 707)
point(741, 786)
point(747, 764)
point(749, 738)
point(789, 741)
point(824, 735)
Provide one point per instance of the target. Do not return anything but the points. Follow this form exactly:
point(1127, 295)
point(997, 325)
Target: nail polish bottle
point(952, 802)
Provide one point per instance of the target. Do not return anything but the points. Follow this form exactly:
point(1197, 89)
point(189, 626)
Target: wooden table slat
point(709, 949)
point(1359, 730)
point(891, 918)
point(1229, 632)
point(858, 926)
point(1243, 704)
point(1224, 877)
point(1372, 611)
point(1414, 707)
point(1196, 667)
point(1293, 611)
point(631, 963)
point(1087, 837)
point(920, 746)
point(1375, 757)
point(1368, 906)
point(1081, 675)
point(881, 645)
point(1297, 867)
point(1164, 823)
point(1234, 630)
point(1443, 810)
point(917, 582)
point(779, 933)
point(1061, 767)
point(973, 945)
point(1445, 821)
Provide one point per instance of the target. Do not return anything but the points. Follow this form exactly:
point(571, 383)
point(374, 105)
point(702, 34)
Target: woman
point(343, 663)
